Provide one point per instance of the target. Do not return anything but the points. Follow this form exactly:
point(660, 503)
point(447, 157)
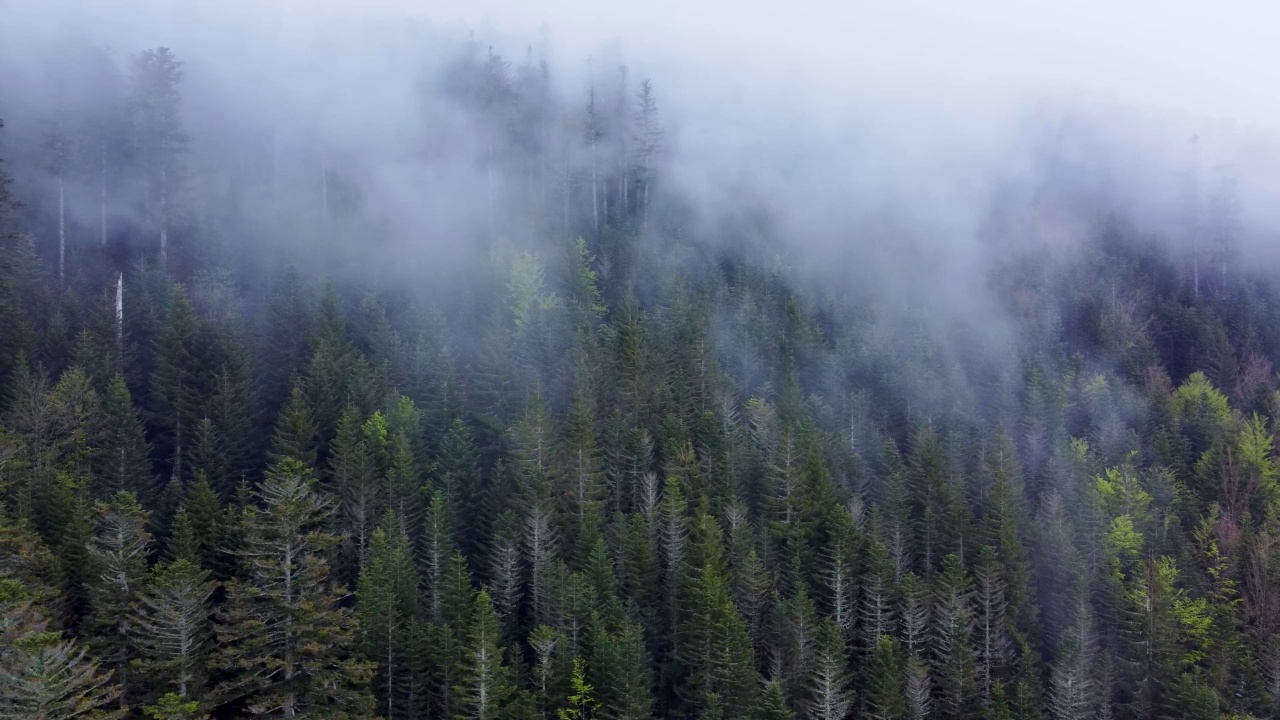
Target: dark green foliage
point(286, 643)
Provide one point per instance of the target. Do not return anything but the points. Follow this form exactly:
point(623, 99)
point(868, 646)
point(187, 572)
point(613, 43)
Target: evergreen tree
point(42, 675)
point(118, 553)
point(484, 685)
point(171, 629)
point(295, 435)
point(386, 606)
point(286, 643)
point(121, 462)
point(830, 694)
point(951, 637)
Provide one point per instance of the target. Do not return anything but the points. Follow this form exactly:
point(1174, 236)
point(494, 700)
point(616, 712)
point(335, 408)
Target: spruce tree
point(171, 629)
point(122, 462)
point(386, 606)
point(42, 675)
point(118, 553)
point(484, 684)
point(287, 645)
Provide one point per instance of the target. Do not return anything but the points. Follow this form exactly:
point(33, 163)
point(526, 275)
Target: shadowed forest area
point(510, 425)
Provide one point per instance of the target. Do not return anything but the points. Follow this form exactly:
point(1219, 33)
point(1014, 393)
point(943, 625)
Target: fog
point(885, 150)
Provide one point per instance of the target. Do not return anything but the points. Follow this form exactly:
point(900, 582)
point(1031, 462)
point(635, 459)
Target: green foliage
point(286, 642)
point(622, 469)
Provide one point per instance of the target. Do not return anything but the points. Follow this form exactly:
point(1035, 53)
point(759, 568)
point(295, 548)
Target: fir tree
point(286, 643)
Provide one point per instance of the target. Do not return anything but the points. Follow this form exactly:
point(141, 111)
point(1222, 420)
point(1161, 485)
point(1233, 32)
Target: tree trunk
point(120, 327)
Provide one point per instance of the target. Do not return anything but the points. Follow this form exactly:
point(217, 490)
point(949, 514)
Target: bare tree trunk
point(120, 321)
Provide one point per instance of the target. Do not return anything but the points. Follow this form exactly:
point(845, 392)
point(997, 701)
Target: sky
point(1210, 58)
point(888, 100)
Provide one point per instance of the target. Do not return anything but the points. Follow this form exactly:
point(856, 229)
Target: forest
point(587, 455)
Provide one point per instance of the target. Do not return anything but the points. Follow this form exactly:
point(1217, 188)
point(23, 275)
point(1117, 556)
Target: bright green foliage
point(581, 703)
point(172, 706)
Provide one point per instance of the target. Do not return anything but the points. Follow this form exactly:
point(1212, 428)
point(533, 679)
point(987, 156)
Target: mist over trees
point(485, 410)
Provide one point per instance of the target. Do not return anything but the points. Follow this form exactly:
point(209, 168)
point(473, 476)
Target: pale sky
point(1212, 58)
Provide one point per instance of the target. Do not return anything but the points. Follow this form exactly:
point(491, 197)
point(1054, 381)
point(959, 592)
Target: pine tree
point(210, 529)
point(715, 647)
point(914, 613)
point(295, 435)
point(286, 642)
point(119, 557)
point(994, 647)
point(950, 641)
point(884, 683)
point(506, 582)
point(159, 135)
point(286, 333)
point(830, 692)
point(352, 478)
point(621, 666)
point(171, 629)
point(582, 704)
point(181, 383)
point(484, 684)
point(876, 610)
point(460, 479)
point(581, 467)
point(386, 606)
point(772, 705)
point(42, 675)
point(437, 548)
point(540, 550)
point(919, 690)
point(121, 462)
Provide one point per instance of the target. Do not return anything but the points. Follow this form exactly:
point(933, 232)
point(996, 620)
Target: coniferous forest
point(602, 460)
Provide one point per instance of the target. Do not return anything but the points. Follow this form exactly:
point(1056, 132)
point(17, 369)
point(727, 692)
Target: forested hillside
point(593, 456)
